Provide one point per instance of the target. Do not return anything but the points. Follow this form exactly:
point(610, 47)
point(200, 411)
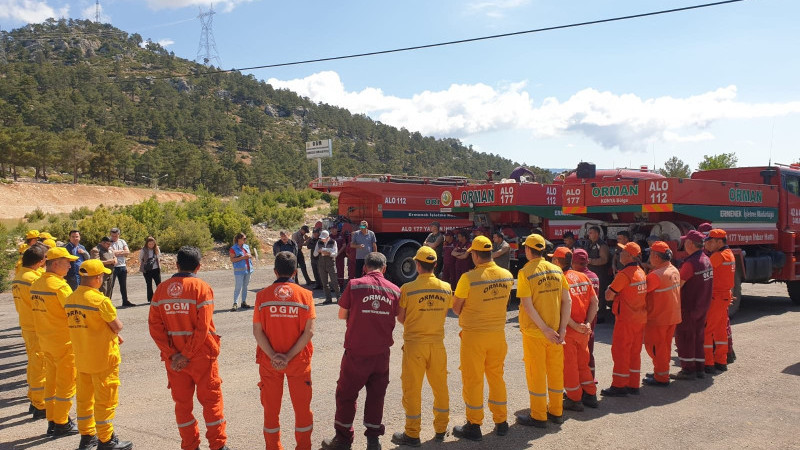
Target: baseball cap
point(717, 233)
point(561, 252)
point(92, 268)
point(49, 242)
point(426, 254)
point(704, 227)
point(535, 241)
point(481, 244)
point(60, 252)
point(659, 246)
point(324, 234)
point(632, 248)
point(45, 235)
point(580, 255)
point(694, 236)
point(31, 234)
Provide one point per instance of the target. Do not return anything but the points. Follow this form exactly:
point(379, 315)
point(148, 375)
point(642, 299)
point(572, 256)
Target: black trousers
point(149, 277)
point(301, 265)
point(121, 274)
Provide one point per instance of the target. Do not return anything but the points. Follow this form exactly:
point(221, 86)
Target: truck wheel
point(737, 293)
point(404, 269)
point(794, 291)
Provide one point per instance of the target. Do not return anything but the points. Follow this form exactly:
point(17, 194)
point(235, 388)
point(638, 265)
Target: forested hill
point(81, 101)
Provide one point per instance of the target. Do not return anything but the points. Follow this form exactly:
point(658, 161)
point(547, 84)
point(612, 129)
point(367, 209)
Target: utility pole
point(207, 49)
point(96, 11)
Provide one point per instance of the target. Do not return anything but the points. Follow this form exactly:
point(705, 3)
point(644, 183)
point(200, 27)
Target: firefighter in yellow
point(544, 309)
point(480, 301)
point(94, 329)
point(32, 259)
point(48, 296)
point(31, 237)
point(424, 303)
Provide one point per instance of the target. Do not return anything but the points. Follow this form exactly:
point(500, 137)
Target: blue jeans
point(242, 280)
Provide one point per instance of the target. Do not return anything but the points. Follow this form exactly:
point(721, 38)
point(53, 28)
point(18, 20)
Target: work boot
point(471, 431)
point(632, 391)
point(572, 405)
point(88, 442)
point(721, 367)
point(440, 436)
point(245, 306)
point(39, 413)
point(234, 307)
point(401, 438)
point(700, 374)
point(683, 375)
point(589, 400)
point(373, 443)
point(529, 421)
point(115, 444)
point(614, 391)
point(501, 429)
point(327, 301)
point(128, 304)
point(731, 356)
point(711, 370)
point(336, 443)
point(50, 427)
point(66, 429)
point(558, 420)
point(649, 375)
point(653, 382)
point(224, 447)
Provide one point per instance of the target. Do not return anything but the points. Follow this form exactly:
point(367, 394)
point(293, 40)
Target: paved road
point(756, 404)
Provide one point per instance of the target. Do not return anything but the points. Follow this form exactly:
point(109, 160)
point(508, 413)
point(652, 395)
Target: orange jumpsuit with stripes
point(630, 308)
point(283, 310)
point(35, 370)
point(715, 342)
point(663, 314)
point(578, 376)
point(181, 322)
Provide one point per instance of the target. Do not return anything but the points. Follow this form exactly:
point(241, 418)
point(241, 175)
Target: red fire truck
point(759, 207)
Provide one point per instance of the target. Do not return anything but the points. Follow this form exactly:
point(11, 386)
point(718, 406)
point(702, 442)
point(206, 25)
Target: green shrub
point(224, 225)
point(286, 217)
point(80, 213)
point(96, 226)
point(7, 258)
point(61, 227)
point(149, 214)
point(186, 232)
point(35, 215)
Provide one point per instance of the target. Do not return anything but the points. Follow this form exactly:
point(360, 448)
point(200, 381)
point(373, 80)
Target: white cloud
point(220, 5)
point(623, 121)
point(495, 9)
point(30, 11)
point(90, 12)
point(166, 42)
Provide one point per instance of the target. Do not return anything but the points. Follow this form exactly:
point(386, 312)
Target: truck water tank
point(758, 268)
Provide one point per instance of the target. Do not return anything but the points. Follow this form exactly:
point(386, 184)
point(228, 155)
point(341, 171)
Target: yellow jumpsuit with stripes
point(21, 290)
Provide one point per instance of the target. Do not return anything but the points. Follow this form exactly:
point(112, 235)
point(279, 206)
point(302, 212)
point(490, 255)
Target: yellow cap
point(59, 252)
point(49, 242)
point(481, 244)
point(31, 234)
point(92, 268)
point(426, 254)
point(45, 235)
point(536, 242)
point(22, 247)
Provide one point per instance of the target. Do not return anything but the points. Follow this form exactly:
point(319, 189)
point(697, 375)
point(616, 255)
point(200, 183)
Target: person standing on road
point(365, 242)
point(424, 303)
point(311, 245)
point(628, 292)
point(242, 268)
point(94, 329)
point(697, 277)
point(501, 250)
point(623, 237)
point(121, 252)
point(544, 312)
point(32, 259)
point(715, 340)
point(149, 265)
point(580, 261)
point(48, 296)
point(434, 240)
point(75, 248)
point(461, 255)
point(448, 260)
point(663, 311)
point(481, 299)
point(341, 245)
point(569, 240)
point(300, 237)
point(31, 237)
point(181, 323)
point(326, 251)
point(369, 305)
point(283, 324)
point(599, 258)
point(103, 252)
point(284, 244)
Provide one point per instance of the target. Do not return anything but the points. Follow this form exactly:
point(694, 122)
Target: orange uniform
point(715, 342)
point(181, 322)
point(663, 314)
point(283, 310)
point(630, 308)
point(578, 376)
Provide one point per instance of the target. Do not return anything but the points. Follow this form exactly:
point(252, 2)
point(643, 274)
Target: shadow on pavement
point(753, 308)
point(30, 442)
point(794, 369)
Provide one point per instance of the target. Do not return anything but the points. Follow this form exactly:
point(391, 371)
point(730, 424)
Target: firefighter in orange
point(94, 328)
point(424, 303)
point(32, 259)
point(723, 262)
point(544, 311)
point(628, 291)
point(578, 379)
point(48, 295)
point(663, 311)
point(182, 326)
point(283, 324)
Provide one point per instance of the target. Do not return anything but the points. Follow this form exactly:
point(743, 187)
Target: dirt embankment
point(18, 199)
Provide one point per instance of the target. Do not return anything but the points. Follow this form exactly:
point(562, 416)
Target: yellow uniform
point(96, 359)
point(48, 297)
point(21, 290)
point(426, 301)
point(486, 289)
point(544, 360)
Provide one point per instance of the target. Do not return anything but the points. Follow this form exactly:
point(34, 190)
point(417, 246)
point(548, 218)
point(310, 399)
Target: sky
point(622, 94)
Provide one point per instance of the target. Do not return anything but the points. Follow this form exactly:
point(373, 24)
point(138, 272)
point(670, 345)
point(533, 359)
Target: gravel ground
point(744, 407)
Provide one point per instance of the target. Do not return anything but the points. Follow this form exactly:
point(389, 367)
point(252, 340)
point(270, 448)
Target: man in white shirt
point(120, 249)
